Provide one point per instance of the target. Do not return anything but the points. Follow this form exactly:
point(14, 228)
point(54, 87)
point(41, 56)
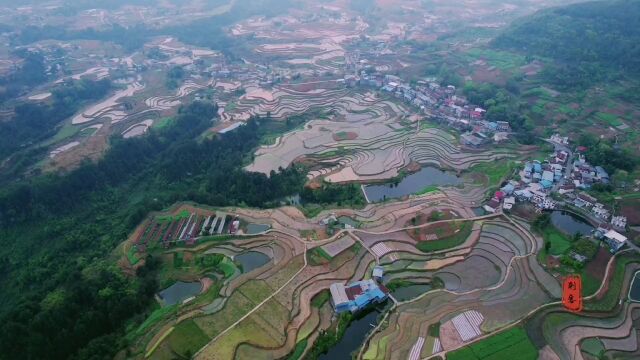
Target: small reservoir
point(411, 184)
point(353, 337)
point(570, 224)
point(179, 292)
point(257, 228)
point(251, 260)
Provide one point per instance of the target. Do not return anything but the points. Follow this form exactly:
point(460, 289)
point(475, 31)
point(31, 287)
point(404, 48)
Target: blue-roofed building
point(546, 184)
point(378, 273)
point(528, 169)
point(508, 189)
point(537, 168)
point(602, 174)
point(357, 295)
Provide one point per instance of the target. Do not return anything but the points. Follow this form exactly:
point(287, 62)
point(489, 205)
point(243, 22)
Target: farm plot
point(512, 343)
point(372, 151)
point(487, 262)
point(137, 129)
point(482, 280)
point(500, 289)
point(109, 108)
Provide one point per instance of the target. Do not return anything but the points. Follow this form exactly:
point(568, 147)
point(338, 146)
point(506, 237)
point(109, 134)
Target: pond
point(570, 224)
point(634, 290)
point(353, 337)
point(257, 228)
point(405, 293)
point(179, 291)
point(411, 184)
point(251, 260)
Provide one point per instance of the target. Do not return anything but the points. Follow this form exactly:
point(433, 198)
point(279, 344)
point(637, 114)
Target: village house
point(508, 203)
point(492, 206)
point(556, 138)
point(503, 126)
point(500, 137)
point(584, 200)
point(523, 195)
point(470, 139)
point(619, 222)
point(602, 175)
point(547, 204)
point(357, 295)
point(600, 211)
point(538, 197)
point(378, 273)
point(615, 240)
point(566, 189)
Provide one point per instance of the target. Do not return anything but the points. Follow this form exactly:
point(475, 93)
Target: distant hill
point(584, 38)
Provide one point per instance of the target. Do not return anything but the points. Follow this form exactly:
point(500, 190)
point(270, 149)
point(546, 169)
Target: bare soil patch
point(345, 135)
point(413, 167)
point(598, 265)
point(631, 209)
point(440, 230)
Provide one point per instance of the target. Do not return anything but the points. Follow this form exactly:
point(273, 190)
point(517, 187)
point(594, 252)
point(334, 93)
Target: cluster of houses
point(439, 102)
point(536, 182)
point(539, 180)
point(584, 175)
point(359, 294)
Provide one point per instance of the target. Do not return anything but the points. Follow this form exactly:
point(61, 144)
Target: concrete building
point(615, 240)
point(378, 273)
point(508, 203)
point(619, 222)
point(492, 206)
point(357, 295)
point(600, 211)
point(585, 200)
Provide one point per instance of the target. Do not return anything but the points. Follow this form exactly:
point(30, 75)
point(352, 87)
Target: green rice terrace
point(319, 180)
point(242, 282)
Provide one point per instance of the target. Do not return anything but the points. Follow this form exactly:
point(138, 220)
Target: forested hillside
point(590, 41)
point(56, 232)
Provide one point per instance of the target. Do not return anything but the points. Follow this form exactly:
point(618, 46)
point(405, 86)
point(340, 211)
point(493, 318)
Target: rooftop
point(616, 236)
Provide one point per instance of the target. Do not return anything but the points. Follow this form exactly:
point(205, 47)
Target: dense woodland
point(61, 296)
point(34, 122)
point(590, 42)
point(53, 265)
point(608, 154)
point(502, 104)
point(32, 71)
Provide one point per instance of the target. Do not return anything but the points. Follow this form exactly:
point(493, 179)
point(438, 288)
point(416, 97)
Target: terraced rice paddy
point(269, 308)
point(40, 97)
point(381, 147)
point(108, 108)
point(493, 278)
point(55, 152)
point(488, 282)
point(137, 129)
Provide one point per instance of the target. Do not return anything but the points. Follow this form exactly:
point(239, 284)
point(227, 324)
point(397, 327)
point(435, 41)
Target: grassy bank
point(463, 232)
